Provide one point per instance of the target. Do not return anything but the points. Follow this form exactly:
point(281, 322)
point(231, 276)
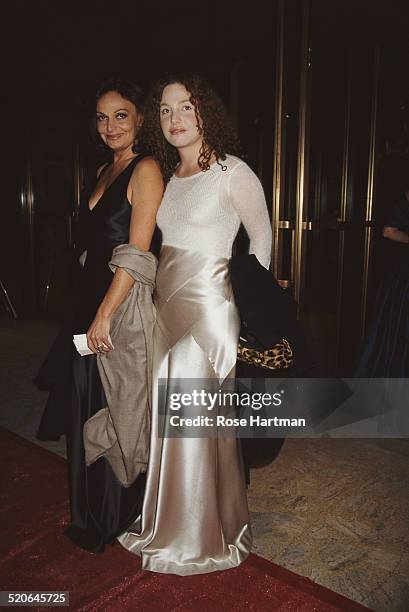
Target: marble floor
point(334, 510)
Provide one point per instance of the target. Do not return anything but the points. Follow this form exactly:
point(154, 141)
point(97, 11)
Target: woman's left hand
point(98, 334)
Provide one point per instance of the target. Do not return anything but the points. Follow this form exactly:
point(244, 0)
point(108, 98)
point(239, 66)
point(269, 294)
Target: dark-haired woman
point(118, 207)
point(195, 517)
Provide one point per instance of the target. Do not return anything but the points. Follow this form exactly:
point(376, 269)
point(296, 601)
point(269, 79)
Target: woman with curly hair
point(195, 518)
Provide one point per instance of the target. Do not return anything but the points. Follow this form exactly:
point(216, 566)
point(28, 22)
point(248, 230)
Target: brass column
point(301, 224)
point(27, 207)
point(369, 224)
point(77, 170)
point(77, 180)
point(297, 224)
point(279, 142)
point(343, 211)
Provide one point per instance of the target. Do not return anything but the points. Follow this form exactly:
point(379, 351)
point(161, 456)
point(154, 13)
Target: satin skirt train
point(194, 517)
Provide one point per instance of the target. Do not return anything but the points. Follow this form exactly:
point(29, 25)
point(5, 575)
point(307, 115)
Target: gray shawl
point(120, 431)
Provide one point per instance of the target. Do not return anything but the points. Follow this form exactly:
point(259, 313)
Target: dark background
point(54, 54)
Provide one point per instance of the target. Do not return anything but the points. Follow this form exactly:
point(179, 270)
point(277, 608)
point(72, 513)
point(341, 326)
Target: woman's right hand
point(395, 234)
point(98, 334)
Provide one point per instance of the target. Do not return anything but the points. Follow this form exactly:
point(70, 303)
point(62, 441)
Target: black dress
point(100, 507)
point(385, 351)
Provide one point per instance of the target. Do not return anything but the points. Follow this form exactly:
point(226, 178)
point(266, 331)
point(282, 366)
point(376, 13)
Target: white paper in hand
point(80, 341)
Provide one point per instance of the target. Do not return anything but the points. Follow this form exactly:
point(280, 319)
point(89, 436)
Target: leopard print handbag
point(278, 357)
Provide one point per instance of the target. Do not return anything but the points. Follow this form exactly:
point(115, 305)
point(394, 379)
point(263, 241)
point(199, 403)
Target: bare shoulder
point(146, 182)
point(148, 168)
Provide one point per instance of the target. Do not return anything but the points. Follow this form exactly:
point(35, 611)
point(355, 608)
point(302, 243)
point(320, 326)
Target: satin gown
point(100, 507)
point(195, 517)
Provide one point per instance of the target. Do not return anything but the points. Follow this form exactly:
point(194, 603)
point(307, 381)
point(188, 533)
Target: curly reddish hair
point(219, 136)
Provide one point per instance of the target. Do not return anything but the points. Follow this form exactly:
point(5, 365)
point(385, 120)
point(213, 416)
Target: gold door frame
point(27, 208)
point(300, 224)
point(279, 144)
point(343, 221)
point(78, 177)
point(370, 192)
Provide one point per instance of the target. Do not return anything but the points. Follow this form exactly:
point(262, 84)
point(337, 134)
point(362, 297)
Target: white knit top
point(203, 212)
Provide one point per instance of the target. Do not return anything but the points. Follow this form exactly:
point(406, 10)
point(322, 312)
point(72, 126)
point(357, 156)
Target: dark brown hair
point(219, 136)
point(128, 90)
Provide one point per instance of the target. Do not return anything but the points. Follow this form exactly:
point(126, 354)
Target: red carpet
point(35, 555)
